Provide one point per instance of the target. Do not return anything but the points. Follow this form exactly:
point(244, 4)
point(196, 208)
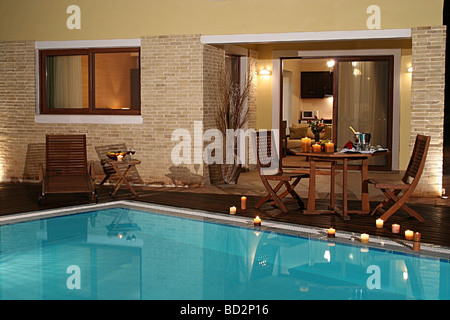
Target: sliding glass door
point(363, 100)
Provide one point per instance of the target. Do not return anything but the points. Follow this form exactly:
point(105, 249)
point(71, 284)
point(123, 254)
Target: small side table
point(128, 165)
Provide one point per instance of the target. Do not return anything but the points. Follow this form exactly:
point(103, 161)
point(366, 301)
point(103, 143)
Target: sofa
point(299, 131)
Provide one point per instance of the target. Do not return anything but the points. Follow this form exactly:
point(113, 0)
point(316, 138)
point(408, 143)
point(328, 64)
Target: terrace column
point(427, 102)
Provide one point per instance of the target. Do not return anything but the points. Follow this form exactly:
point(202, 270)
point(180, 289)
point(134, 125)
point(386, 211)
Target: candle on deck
point(316, 148)
point(233, 210)
point(416, 243)
point(409, 234)
point(119, 157)
point(257, 221)
point(364, 238)
point(306, 144)
point(243, 202)
point(329, 147)
point(379, 223)
point(331, 232)
point(395, 228)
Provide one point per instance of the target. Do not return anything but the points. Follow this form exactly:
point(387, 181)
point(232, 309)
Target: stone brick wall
point(172, 98)
point(173, 72)
point(17, 106)
point(214, 62)
point(427, 101)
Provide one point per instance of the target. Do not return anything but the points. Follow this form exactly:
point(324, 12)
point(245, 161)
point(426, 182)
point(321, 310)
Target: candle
point(233, 210)
point(331, 232)
point(416, 236)
point(416, 246)
point(257, 221)
point(395, 228)
point(316, 148)
point(243, 202)
point(379, 223)
point(329, 147)
point(409, 234)
point(364, 238)
point(306, 144)
point(119, 157)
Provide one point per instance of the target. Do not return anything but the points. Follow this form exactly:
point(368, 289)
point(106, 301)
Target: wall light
point(410, 69)
point(330, 64)
point(265, 72)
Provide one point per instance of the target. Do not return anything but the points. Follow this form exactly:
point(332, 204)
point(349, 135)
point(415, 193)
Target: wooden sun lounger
point(66, 168)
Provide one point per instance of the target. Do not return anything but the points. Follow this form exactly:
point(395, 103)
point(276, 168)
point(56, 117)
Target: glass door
point(363, 100)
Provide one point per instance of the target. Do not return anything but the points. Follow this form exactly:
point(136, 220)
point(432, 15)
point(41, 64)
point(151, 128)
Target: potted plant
point(231, 113)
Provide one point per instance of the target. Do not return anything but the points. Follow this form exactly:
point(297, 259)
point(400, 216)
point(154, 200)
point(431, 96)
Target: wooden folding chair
point(66, 168)
point(407, 184)
point(270, 169)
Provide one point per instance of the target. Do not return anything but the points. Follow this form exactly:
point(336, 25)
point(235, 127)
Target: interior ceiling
point(266, 48)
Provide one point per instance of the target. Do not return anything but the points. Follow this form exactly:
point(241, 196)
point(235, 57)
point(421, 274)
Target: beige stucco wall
point(106, 19)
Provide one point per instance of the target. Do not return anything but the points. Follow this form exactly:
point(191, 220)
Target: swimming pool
point(138, 251)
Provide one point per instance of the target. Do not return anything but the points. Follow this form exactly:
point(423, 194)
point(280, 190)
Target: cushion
point(327, 134)
point(298, 132)
point(293, 143)
point(301, 130)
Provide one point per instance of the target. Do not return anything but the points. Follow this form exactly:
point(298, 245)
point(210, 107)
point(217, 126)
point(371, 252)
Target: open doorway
point(351, 91)
point(307, 94)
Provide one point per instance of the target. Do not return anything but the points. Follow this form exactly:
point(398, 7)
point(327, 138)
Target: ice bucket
point(363, 138)
point(362, 141)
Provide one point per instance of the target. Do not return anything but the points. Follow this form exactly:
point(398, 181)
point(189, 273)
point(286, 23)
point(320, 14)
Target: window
point(90, 81)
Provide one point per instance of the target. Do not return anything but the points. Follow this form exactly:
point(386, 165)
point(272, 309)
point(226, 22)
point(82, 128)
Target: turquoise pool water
point(122, 253)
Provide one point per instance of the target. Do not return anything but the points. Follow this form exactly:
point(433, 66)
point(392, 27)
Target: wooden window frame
point(91, 110)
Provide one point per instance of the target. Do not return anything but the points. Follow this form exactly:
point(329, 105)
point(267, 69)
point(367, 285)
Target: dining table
point(333, 158)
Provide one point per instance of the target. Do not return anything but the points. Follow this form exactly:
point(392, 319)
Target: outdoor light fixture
point(330, 64)
point(265, 72)
point(410, 69)
point(444, 196)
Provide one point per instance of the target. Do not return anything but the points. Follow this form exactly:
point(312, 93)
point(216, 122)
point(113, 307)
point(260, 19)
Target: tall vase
point(317, 137)
point(230, 172)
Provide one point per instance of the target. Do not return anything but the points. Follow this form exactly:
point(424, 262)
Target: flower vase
point(317, 137)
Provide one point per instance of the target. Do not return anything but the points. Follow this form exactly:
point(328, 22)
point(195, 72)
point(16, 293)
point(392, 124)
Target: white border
point(307, 36)
point(79, 44)
point(99, 119)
